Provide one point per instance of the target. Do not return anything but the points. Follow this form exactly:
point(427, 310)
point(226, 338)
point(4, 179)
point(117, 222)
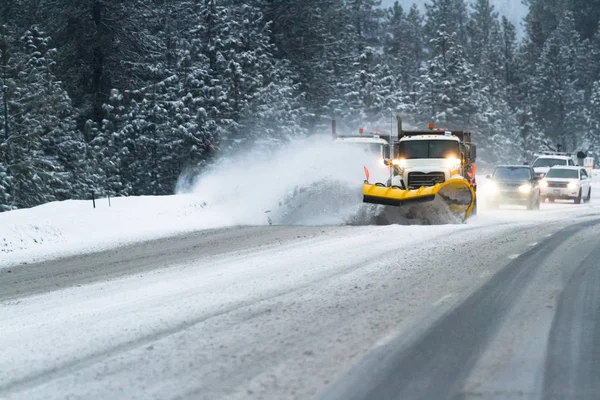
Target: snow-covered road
point(286, 311)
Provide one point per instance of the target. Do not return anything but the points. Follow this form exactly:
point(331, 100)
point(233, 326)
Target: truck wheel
point(578, 199)
point(589, 195)
point(550, 199)
point(474, 210)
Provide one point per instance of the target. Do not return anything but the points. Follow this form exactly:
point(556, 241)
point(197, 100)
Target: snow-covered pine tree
point(44, 151)
point(100, 45)
point(262, 94)
point(555, 85)
point(447, 87)
point(371, 95)
point(316, 37)
point(593, 137)
point(452, 14)
point(403, 47)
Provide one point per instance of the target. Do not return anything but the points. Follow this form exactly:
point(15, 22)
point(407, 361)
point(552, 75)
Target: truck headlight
point(399, 162)
point(572, 185)
point(453, 163)
point(543, 184)
point(526, 188)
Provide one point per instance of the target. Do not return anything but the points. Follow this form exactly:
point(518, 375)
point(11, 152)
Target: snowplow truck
point(431, 170)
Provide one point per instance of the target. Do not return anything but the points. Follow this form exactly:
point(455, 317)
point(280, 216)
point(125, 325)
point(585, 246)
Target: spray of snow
point(308, 181)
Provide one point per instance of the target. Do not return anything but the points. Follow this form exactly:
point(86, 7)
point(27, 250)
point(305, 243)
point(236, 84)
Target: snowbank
point(69, 227)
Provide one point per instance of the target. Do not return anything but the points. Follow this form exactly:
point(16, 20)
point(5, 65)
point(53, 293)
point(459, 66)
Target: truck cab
point(426, 158)
point(375, 145)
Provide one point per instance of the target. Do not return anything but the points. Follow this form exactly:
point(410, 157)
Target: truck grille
point(419, 179)
point(558, 184)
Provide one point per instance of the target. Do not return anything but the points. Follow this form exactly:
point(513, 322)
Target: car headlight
point(526, 188)
point(491, 187)
point(544, 184)
point(573, 185)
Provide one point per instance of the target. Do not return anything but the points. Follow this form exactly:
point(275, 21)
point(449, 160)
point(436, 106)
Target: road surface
point(504, 307)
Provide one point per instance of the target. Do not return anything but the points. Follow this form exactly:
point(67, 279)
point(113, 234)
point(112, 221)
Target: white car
point(566, 183)
point(543, 163)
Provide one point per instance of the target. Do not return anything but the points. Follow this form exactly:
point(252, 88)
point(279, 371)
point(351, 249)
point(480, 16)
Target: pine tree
point(447, 87)
point(44, 152)
point(403, 49)
point(100, 45)
point(452, 15)
point(555, 85)
point(593, 145)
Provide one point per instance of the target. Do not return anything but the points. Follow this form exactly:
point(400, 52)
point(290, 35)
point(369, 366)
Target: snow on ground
point(132, 315)
point(69, 227)
point(309, 182)
point(305, 183)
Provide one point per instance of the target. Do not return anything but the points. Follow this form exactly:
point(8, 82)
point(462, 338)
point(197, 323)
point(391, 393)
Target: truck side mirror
point(473, 149)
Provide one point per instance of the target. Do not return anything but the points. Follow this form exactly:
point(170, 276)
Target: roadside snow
point(71, 227)
point(306, 183)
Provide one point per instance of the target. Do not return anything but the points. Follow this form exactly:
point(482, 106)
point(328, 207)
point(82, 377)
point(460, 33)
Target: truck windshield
point(512, 174)
point(548, 162)
point(428, 149)
point(563, 173)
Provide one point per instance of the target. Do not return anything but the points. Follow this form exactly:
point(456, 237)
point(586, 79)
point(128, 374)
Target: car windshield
point(512, 174)
point(548, 162)
point(563, 173)
point(428, 149)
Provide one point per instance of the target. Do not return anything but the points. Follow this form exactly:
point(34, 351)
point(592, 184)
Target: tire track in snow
point(438, 362)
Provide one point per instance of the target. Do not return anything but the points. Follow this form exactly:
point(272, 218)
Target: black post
point(333, 128)
point(93, 199)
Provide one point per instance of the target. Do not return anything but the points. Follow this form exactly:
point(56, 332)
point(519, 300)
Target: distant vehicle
point(375, 143)
point(567, 183)
point(513, 184)
point(549, 159)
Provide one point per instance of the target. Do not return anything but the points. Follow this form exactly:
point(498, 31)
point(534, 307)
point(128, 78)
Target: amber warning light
point(431, 125)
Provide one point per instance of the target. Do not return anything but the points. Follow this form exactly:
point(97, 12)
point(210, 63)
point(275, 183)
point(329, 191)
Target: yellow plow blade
point(455, 197)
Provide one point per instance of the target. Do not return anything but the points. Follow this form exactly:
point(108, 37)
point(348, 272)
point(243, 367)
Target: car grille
point(510, 186)
point(419, 179)
point(558, 184)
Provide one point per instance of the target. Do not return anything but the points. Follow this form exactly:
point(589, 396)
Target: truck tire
point(589, 195)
